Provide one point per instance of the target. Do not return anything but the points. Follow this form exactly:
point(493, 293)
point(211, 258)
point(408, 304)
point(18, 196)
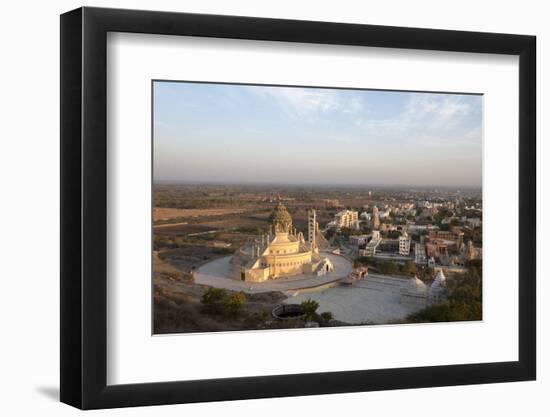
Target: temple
point(416, 294)
point(282, 252)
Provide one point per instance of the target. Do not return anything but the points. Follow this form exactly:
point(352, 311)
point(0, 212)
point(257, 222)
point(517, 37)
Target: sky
point(227, 133)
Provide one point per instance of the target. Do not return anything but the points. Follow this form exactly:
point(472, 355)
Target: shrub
point(234, 302)
point(327, 316)
point(388, 267)
point(174, 275)
point(409, 268)
point(213, 296)
point(309, 307)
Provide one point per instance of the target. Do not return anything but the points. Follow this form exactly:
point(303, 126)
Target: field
point(164, 213)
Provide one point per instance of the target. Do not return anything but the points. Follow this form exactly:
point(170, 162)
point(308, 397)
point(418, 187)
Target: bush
point(213, 296)
point(409, 268)
point(218, 301)
point(327, 316)
point(388, 268)
point(234, 302)
point(394, 234)
point(364, 260)
point(309, 307)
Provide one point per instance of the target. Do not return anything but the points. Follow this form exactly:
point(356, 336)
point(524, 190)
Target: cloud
point(302, 103)
point(437, 110)
point(429, 120)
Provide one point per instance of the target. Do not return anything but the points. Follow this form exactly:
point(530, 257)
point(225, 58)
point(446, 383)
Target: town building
point(404, 244)
point(347, 219)
point(437, 291)
point(414, 293)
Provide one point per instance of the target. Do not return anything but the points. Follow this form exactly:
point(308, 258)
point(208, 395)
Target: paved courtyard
point(217, 274)
point(374, 300)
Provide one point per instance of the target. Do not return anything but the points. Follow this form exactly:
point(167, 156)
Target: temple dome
point(414, 286)
point(280, 219)
point(439, 284)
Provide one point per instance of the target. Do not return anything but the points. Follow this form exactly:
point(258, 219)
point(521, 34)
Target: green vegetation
point(394, 234)
point(217, 300)
point(464, 302)
point(442, 214)
point(364, 261)
point(309, 307)
point(408, 268)
point(386, 267)
point(213, 296)
point(327, 316)
point(233, 303)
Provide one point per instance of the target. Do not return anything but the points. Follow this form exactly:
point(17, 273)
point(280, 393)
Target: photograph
point(288, 207)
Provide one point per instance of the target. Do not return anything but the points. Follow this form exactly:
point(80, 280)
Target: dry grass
point(164, 213)
point(178, 308)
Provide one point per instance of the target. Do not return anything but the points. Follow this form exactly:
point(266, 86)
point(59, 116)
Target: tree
point(309, 307)
point(234, 302)
point(409, 268)
point(393, 234)
point(388, 267)
point(327, 316)
point(364, 260)
point(213, 296)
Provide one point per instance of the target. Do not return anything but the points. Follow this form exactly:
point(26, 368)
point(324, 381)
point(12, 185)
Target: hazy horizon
point(303, 184)
point(263, 135)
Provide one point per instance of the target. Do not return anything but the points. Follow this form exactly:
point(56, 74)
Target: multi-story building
point(455, 235)
point(404, 244)
point(347, 218)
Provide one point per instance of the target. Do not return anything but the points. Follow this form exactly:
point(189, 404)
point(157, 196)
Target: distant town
point(248, 257)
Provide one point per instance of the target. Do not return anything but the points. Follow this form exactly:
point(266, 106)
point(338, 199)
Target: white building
point(404, 244)
point(438, 288)
point(414, 293)
point(347, 218)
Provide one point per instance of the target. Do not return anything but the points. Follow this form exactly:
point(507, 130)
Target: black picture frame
point(84, 207)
